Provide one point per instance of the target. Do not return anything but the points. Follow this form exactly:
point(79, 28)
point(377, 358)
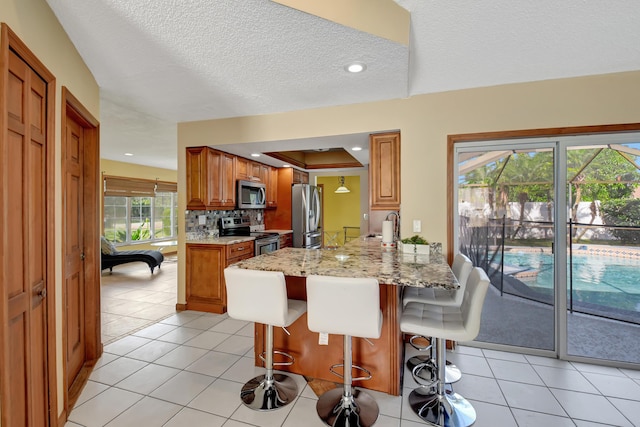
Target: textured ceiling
point(159, 62)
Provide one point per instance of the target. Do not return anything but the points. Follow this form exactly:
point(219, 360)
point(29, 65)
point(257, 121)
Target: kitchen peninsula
point(361, 257)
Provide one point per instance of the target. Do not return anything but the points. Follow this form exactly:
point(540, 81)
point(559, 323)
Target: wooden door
point(24, 224)
point(80, 240)
point(73, 292)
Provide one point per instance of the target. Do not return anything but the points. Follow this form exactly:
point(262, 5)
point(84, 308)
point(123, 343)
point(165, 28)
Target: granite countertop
point(226, 240)
point(366, 258)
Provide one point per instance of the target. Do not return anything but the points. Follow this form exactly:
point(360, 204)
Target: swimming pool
point(609, 281)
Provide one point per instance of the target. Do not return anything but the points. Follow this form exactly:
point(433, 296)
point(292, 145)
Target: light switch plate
point(417, 226)
point(323, 338)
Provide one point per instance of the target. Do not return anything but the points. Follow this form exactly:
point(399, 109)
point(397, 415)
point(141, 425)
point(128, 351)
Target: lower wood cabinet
point(205, 264)
point(286, 240)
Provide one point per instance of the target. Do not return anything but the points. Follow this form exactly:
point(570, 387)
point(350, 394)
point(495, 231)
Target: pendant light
point(342, 188)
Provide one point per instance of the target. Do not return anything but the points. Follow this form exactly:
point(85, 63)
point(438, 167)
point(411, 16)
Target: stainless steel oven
point(267, 242)
point(241, 226)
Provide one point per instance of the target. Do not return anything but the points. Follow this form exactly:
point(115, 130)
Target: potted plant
point(415, 245)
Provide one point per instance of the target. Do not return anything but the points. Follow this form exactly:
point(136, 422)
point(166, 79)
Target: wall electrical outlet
point(417, 226)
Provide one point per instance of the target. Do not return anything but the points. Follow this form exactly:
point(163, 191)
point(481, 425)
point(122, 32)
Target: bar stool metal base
point(261, 394)
point(357, 410)
point(448, 410)
point(452, 372)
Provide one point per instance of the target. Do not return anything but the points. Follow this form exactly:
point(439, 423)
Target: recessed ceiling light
point(128, 154)
point(355, 67)
point(286, 166)
point(356, 148)
point(255, 155)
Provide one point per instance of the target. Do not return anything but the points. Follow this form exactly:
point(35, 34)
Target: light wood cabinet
point(242, 168)
point(264, 173)
point(210, 179)
point(300, 177)
point(280, 218)
point(228, 180)
point(286, 240)
point(272, 187)
point(256, 171)
point(384, 171)
point(247, 170)
point(205, 264)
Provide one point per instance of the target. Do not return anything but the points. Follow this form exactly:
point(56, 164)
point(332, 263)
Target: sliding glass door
point(556, 224)
point(603, 259)
point(505, 200)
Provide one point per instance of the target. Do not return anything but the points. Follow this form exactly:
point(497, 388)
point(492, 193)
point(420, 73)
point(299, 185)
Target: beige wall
point(132, 170)
point(424, 122)
point(36, 25)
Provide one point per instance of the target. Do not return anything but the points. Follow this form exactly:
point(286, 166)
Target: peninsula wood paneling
point(383, 358)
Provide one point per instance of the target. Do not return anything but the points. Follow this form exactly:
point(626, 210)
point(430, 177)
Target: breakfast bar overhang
point(363, 257)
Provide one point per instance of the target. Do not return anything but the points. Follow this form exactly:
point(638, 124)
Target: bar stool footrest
point(452, 372)
point(281, 353)
point(359, 368)
point(414, 338)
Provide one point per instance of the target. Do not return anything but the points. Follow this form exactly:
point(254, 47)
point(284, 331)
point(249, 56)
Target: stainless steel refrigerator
point(305, 216)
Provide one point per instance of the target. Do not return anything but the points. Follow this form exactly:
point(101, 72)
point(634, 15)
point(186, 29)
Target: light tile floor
point(132, 298)
point(187, 369)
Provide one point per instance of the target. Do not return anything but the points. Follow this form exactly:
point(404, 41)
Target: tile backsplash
point(196, 230)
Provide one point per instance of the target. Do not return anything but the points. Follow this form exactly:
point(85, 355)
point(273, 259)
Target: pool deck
point(630, 252)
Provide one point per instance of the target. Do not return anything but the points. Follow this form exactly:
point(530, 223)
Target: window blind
point(166, 187)
point(135, 187)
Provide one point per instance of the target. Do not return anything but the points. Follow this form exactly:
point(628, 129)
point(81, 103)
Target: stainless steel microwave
point(251, 195)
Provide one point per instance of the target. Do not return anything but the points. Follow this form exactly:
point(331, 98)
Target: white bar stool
point(349, 307)
point(461, 268)
point(439, 407)
point(261, 297)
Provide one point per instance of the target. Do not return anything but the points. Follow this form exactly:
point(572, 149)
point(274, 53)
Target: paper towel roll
point(387, 231)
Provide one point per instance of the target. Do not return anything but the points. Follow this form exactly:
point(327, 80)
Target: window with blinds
point(139, 210)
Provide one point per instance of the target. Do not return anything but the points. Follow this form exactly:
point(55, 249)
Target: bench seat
point(151, 257)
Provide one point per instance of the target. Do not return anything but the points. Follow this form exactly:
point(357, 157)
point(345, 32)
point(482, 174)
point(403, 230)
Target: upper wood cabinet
point(243, 170)
point(384, 171)
point(210, 179)
point(228, 180)
point(248, 170)
point(264, 173)
point(300, 177)
point(272, 187)
point(256, 171)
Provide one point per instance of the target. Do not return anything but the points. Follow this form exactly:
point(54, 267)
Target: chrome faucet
point(396, 224)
